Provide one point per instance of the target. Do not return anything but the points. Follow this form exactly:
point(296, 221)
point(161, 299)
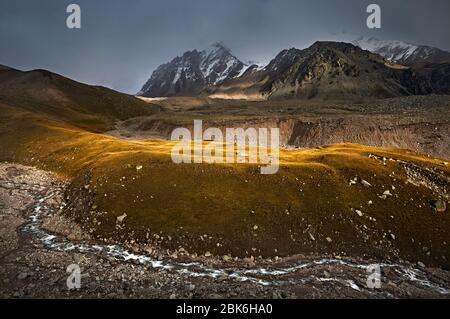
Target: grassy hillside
point(53, 96)
point(309, 207)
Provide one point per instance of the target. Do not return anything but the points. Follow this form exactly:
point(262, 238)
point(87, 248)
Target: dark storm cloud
point(121, 42)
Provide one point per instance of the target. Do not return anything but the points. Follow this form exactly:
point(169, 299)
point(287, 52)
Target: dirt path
point(34, 256)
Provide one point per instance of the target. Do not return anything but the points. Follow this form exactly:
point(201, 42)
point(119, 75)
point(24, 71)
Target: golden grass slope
point(308, 207)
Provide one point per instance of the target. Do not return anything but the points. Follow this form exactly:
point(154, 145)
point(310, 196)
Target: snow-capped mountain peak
point(402, 52)
point(193, 72)
point(218, 64)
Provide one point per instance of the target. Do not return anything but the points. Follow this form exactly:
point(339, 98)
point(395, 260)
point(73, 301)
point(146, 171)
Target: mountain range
point(367, 67)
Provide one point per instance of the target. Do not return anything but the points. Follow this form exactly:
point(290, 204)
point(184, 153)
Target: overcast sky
point(122, 42)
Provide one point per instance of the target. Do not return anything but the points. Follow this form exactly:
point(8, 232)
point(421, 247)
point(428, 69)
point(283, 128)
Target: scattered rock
point(439, 205)
point(276, 295)
point(360, 213)
point(387, 193)
point(121, 218)
point(22, 276)
point(249, 261)
point(329, 239)
point(365, 183)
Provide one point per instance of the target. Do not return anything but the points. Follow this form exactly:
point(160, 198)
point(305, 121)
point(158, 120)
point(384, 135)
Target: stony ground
point(30, 269)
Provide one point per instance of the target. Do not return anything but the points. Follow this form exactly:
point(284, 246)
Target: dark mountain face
point(428, 79)
point(193, 72)
point(283, 61)
point(332, 70)
point(4, 68)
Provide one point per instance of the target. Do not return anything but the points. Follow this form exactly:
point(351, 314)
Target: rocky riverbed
point(38, 244)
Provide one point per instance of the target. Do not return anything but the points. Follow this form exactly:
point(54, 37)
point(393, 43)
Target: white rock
point(366, 183)
point(121, 218)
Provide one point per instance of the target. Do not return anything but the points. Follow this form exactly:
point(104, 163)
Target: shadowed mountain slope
point(90, 107)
